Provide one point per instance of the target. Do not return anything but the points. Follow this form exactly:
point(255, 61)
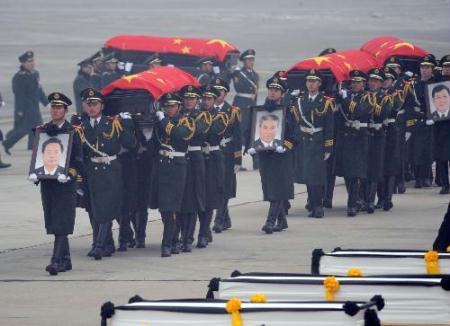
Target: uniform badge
point(91, 93)
point(56, 96)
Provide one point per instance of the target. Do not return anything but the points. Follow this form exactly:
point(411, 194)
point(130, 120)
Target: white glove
point(326, 156)
point(295, 92)
point(62, 178)
point(409, 73)
point(33, 177)
point(236, 168)
point(280, 149)
point(429, 122)
point(251, 151)
point(125, 115)
point(2, 104)
point(160, 115)
point(407, 135)
point(343, 93)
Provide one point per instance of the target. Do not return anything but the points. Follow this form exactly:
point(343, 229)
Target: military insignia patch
point(56, 96)
point(91, 93)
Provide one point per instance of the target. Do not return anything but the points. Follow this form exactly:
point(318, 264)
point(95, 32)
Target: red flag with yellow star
point(156, 81)
point(215, 48)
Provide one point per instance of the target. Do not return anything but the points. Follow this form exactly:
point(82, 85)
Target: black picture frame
point(37, 165)
point(255, 140)
point(441, 94)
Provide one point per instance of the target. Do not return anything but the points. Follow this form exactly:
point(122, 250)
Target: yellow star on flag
point(177, 41)
point(186, 50)
point(161, 81)
point(129, 78)
point(320, 59)
point(406, 44)
point(221, 42)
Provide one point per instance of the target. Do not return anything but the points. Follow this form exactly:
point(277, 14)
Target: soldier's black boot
point(390, 185)
point(371, 192)
point(202, 240)
point(141, 226)
point(227, 221)
point(381, 194)
point(287, 207)
point(352, 189)
point(219, 220)
point(282, 223)
point(3, 165)
point(52, 268)
point(168, 219)
point(66, 261)
point(94, 226)
point(188, 236)
point(209, 235)
point(271, 217)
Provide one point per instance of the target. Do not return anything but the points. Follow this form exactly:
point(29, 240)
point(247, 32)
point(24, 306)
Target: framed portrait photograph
point(51, 154)
point(438, 101)
point(267, 128)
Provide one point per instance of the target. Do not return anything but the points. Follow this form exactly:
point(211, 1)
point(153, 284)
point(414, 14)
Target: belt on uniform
point(376, 126)
point(388, 121)
point(225, 141)
point(356, 124)
point(171, 154)
point(208, 149)
point(310, 130)
point(246, 95)
point(103, 159)
point(194, 148)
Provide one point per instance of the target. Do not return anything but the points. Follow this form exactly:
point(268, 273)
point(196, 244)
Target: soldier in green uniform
point(277, 166)
point(97, 69)
point(206, 67)
point(27, 95)
point(381, 109)
point(153, 61)
point(59, 195)
point(111, 72)
point(246, 84)
point(81, 82)
point(103, 138)
point(391, 165)
point(352, 145)
point(195, 189)
point(417, 122)
point(316, 141)
point(214, 163)
point(173, 132)
point(231, 145)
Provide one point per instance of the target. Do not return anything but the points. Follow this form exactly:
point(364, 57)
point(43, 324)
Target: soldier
point(214, 163)
point(169, 177)
point(81, 82)
point(231, 145)
point(59, 195)
point(27, 95)
point(276, 166)
point(327, 51)
point(442, 137)
point(153, 61)
point(195, 190)
point(417, 122)
point(246, 83)
point(352, 150)
point(206, 67)
point(97, 69)
point(111, 72)
point(316, 140)
point(381, 104)
point(102, 139)
point(391, 165)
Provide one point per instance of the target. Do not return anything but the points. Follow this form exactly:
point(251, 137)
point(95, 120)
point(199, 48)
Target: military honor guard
point(81, 82)
point(353, 137)
point(59, 195)
point(111, 72)
point(316, 141)
point(103, 138)
point(153, 61)
point(231, 145)
point(214, 163)
point(194, 198)
point(173, 133)
point(206, 67)
point(246, 85)
point(28, 94)
point(277, 166)
point(381, 104)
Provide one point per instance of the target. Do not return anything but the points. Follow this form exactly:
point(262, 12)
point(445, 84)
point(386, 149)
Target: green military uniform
point(27, 95)
point(204, 78)
point(214, 167)
point(194, 198)
point(81, 82)
point(110, 76)
point(352, 144)
point(381, 108)
point(231, 145)
point(103, 139)
point(169, 175)
point(316, 140)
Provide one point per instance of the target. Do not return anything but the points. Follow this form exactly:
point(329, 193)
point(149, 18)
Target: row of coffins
point(346, 287)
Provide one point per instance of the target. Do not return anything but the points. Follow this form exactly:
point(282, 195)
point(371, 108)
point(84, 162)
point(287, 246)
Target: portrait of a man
point(52, 151)
point(440, 97)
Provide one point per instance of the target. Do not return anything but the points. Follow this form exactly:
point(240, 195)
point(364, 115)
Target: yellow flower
point(233, 307)
point(354, 272)
point(431, 256)
point(432, 262)
point(331, 285)
point(258, 298)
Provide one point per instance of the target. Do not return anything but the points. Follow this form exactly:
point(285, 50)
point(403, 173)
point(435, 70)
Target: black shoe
point(444, 190)
point(187, 247)
point(131, 243)
point(370, 208)
point(388, 206)
point(52, 269)
point(67, 263)
point(122, 247)
point(308, 207)
point(202, 242)
point(418, 184)
point(311, 213)
point(4, 165)
point(318, 212)
point(426, 183)
point(226, 224)
point(268, 228)
point(327, 203)
point(218, 227)
point(351, 212)
point(281, 225)
point(401, 188)
point(361, 206)
point(91, 253)
point(165, 252)
point(140, 244)
point(175, 248)
point(98, 253)
point(209, 237)
point(6, 149)
point(379, 205)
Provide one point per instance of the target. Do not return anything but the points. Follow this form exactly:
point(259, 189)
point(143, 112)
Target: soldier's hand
point(343, 93)
point(236, 168)
point(125, 115)
point(62, 178)
point(280, 149)
point(251, 151)
point(33, 177)
point(160, 115)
